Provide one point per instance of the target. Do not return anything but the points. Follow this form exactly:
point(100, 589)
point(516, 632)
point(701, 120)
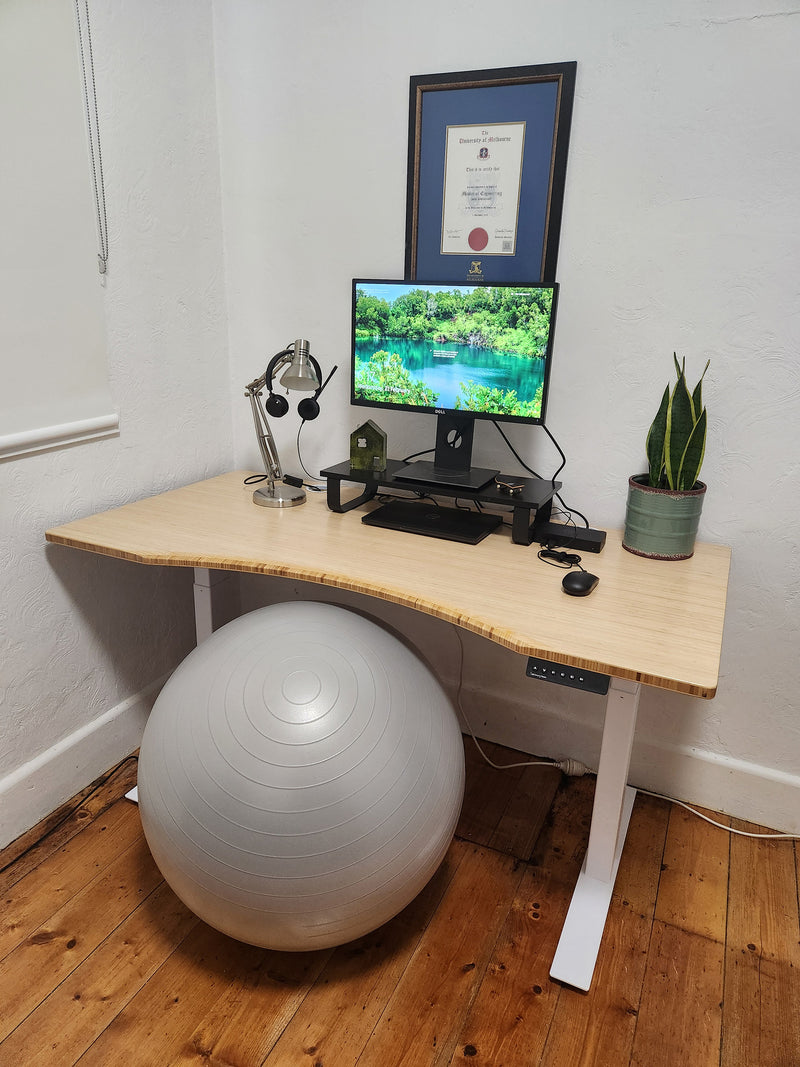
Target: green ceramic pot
point(661, 523)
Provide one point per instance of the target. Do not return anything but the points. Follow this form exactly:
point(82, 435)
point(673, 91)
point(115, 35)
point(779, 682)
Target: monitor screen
point(480, 351)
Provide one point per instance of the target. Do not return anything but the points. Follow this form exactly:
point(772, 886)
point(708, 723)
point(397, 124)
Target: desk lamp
point(302, 373)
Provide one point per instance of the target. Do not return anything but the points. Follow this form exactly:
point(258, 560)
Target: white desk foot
point(582, 932)
point(577, 950)
point(133, 794)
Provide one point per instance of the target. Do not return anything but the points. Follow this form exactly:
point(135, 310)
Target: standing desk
point(647, 622)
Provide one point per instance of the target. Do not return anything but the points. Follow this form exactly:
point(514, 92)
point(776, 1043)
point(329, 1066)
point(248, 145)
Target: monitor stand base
point(430, 474)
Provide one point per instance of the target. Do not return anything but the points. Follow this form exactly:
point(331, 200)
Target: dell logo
point(439, 411)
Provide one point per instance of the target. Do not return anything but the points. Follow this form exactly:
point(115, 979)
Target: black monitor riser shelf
point(531, 506)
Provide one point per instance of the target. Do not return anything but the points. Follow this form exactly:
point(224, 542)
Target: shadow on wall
point(483, 679)
point(138, 619)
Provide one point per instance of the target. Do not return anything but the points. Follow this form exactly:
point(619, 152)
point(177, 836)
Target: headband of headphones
point(277, 405)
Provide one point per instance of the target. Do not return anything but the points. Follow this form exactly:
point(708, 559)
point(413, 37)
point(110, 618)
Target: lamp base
point(279, 495)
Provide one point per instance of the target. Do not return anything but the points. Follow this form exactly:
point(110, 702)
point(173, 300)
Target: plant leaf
point(697, 395)
point(654, 446)
point(680, 423)
point(694, 452)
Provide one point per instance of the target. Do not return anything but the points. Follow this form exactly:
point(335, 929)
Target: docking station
point(559, 535)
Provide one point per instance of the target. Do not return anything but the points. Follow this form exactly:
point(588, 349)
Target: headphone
point(308, 408)
point(277, 405)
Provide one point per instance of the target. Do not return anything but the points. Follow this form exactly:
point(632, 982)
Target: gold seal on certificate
point(482, 178)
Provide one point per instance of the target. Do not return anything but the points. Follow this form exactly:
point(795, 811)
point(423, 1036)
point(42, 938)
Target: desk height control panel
point(531, 505)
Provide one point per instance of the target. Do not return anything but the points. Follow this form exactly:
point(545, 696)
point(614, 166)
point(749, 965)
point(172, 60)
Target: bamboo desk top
point(659, 623)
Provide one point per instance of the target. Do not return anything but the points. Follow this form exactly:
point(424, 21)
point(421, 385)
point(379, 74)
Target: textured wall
point(79, 634)
point(680, 233)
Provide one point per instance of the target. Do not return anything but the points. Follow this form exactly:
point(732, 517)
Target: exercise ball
point(300, 777)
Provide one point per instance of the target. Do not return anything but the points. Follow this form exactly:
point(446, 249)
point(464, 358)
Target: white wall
point(81, 637)
point(680, 233)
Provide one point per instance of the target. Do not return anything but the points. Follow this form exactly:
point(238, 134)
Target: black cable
point(564, 560)
point(574, 511)
point(530, 470)
point(514, 452)
point(423, 494)
point(563, 457)
point(315, 488)
point(424, 452)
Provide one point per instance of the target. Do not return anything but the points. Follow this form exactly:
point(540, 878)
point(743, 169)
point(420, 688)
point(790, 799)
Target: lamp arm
point(266, 442)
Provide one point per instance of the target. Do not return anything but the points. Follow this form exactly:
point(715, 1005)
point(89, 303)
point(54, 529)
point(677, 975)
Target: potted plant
point(664, 505)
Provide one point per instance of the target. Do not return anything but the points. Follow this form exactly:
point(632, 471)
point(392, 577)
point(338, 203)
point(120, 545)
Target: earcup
point(308, 409)
point(276, 405)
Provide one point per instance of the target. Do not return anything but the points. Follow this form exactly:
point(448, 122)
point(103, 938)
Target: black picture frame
point(535, 104)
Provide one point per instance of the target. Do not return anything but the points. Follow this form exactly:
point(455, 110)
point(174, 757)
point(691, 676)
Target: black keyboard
point(451, 524)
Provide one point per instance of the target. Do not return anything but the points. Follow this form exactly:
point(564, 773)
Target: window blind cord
point(93, 129)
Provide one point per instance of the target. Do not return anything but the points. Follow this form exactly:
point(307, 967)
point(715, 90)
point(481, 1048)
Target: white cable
point(527, 763)
point(575, 769)
point(572, 767)
point(722, 826)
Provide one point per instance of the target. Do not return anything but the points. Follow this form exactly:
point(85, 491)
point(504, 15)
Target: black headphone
point(308, 408)
point(277, 405)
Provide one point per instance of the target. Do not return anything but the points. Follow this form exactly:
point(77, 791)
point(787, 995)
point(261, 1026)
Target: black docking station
point(559, 535)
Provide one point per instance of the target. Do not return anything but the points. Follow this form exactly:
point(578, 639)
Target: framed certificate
point(487, 158)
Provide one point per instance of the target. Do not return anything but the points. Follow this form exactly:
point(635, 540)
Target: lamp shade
point(300, 374)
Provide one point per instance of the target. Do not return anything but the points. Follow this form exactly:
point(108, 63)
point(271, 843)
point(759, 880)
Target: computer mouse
point(579, 583)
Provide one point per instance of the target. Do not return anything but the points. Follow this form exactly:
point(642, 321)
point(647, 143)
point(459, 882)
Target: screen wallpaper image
point(481, 349)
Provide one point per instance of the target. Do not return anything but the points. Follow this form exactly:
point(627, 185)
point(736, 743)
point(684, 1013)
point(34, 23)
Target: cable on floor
point(571, 767)
point(574, 768)
point(722, 826)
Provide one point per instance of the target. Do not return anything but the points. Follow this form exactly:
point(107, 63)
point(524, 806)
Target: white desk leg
point(579, 944)
point(203, 610)
point(205, 582)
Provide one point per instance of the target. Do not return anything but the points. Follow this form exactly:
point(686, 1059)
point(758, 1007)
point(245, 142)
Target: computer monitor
point(461, 352)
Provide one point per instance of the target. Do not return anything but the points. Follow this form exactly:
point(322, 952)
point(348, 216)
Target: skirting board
point(38, 787)
point(696, 776)
point(736, 787)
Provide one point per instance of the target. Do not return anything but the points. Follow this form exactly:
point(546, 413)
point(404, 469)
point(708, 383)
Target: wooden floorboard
point(762, 956)
point(101, 964)
point(28, 850)
point(680, 1014)
point(599, 1027)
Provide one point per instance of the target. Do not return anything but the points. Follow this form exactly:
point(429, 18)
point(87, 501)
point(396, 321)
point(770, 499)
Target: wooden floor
point(101, 965)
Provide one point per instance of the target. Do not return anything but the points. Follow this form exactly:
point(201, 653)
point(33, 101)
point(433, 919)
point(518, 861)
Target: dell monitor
point(461, 352)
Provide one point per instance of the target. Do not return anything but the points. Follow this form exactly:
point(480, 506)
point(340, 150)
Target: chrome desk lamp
point(303, 374)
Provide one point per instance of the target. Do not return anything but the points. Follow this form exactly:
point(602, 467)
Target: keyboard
point(451, 524)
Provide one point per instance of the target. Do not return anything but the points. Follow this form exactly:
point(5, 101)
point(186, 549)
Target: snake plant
point(676, 441)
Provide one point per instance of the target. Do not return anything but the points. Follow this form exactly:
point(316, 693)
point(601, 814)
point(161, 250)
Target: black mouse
point(579, 583)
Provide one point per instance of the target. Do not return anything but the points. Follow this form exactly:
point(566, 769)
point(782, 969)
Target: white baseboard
point(739, 788)
point(563, 722)
point(736, 787)
point(38, 787)
point(696, 776)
